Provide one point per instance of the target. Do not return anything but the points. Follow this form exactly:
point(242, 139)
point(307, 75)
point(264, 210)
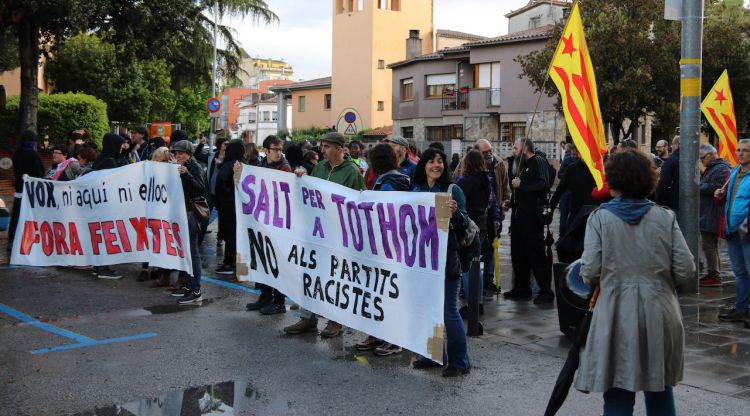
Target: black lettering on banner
point(261, 246)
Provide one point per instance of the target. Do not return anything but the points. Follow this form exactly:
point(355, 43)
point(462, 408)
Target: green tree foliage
point(59, 114)
point(636, 53)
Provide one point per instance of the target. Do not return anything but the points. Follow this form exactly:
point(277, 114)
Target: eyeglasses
point(275, 149)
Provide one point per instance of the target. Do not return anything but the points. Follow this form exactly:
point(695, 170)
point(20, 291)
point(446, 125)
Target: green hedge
point(60, 114)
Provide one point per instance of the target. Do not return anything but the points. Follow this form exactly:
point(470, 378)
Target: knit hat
point(178, 135)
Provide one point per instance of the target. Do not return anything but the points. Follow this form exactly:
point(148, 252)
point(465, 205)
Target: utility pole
point(690, 128)
point(212, 131)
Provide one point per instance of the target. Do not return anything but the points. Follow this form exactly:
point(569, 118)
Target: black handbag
point(200, 209)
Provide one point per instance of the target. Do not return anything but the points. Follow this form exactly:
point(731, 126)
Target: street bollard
point(475, 327)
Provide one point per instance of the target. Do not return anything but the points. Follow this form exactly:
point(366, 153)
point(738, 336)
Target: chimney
point(413, 44)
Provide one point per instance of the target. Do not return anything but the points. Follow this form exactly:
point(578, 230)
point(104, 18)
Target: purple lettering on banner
point(277, 221)
point(339, 201)
point(351, 208)
point(318, 228)
point(406, 211)
point(389, 225)
point(367, 208)
point(262, 203)
point(285, 189)
point(247, 207)
point(428, 237)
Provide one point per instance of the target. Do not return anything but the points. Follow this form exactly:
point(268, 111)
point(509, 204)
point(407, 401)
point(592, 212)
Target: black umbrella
point(568, 372)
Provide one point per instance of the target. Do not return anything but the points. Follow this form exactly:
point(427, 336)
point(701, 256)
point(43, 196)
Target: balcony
point(485, 100)
point(493, 97)
point(455, 100)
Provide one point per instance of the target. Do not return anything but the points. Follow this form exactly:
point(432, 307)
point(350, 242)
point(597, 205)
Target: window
point(407, 132)
point(274, 115)
point(407, 89)
point(327, 102)
point(444, 133)
point(383, 4)
point(437, 84)
point(301, 105)
point(396, 5)
point(266, 116)
point(381, 105)
point(381, 64)
point(535, 22)
point(487, 76)
point(510, 132)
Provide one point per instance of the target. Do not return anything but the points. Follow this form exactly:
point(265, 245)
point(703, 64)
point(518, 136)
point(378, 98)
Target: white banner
point(373, 261)
point(131, 214)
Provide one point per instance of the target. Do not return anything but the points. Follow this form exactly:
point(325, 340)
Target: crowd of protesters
point(484, 187)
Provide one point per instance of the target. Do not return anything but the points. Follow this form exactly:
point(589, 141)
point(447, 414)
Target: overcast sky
point(303, 36)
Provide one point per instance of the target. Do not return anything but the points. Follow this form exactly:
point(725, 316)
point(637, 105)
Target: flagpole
point(690, 119)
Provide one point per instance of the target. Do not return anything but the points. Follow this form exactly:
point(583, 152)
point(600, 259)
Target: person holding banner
point(193, 185)
point(234, 152)
point(432, 175)
point(26, 161)
point(111, 149)
point(337, 168)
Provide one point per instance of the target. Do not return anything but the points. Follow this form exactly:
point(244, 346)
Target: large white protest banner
point(373, 261)
point(131, 214)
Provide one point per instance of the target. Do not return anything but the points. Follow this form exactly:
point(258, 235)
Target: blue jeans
point(619, 402)
point(194, 281)
point(455, 334)
point(739, 257)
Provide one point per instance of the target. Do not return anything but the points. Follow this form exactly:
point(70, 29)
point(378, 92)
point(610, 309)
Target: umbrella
point(496, 260)
point(565, 379)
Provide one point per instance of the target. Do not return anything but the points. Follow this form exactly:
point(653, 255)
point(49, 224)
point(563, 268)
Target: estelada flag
point(573, 74)
point(718, 108)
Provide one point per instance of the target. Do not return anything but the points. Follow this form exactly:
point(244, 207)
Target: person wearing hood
point(193, 186)
point(271, 301)
point(337, 168)
point(234, 152)
point(26, 161)
point(108, 159)
point(384, 165)
point(713, 178)
point(635, 253)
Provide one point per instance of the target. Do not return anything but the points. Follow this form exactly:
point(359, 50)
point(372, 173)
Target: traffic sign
point(213, 105)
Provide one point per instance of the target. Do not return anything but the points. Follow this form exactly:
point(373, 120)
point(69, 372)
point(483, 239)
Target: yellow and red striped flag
point(572, 72)
point(718, 108)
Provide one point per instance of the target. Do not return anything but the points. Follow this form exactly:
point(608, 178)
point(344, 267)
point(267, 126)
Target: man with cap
point(337, 168)
point(193, 185)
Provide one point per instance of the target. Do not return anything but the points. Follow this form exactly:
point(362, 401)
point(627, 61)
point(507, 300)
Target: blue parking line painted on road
point(94, 343)
point(230, 285)
point(83, 341)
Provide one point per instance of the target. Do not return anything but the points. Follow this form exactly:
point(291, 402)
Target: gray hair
point(707, 149)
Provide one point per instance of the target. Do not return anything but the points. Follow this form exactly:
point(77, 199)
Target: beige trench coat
point(636, 337)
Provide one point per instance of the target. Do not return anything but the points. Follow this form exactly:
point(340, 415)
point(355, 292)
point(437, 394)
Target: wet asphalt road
point(257, 370)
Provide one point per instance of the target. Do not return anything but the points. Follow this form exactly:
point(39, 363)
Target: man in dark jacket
point(26, 161)
point(668, 190)
point(577, 183)
point(713, 178)
point(530, 185)
point(271, 301)
point(235, 152)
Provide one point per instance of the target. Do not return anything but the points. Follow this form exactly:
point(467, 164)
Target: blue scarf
point(629, 210)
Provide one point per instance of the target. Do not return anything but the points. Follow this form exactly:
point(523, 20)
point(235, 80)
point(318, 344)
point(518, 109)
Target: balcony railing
point(455, 99)
point(493, 97)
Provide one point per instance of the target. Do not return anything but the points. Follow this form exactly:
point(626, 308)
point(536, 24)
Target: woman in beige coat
point(635, 251)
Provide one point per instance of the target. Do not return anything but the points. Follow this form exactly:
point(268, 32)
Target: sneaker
point(369, 344)
point(734, 316)
point(424, 363)
point(387, 349)
point(258, 304)
point(273, 309)
point(192, 297)
point(107, 273)
point(517, 295)
point(294, 307)
point(455, 372)
point(224, 269)
point(332, 330)
point(710, 281)
point(180, 292)
point(142, 276)
point(544, 298)
point(302, 326)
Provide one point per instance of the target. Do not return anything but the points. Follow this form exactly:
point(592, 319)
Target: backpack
point(472, 230)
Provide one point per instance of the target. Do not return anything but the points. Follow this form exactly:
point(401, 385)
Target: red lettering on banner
point(110, 237)
point(48, 240)
point(155, 226)
point(75, 242)
point(139, 225)
point(29, 238)
point(178, 239)
point(60, 245)
point(96, 238)
point(124, 240)
point(168, 240)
